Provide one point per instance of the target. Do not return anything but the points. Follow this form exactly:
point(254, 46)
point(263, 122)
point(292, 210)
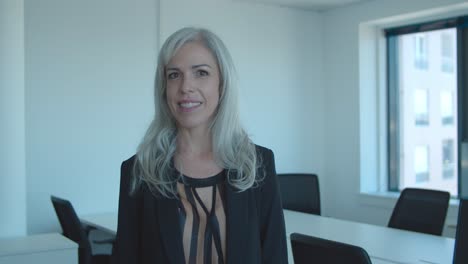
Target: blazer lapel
point(170, 230)
point(237, 220)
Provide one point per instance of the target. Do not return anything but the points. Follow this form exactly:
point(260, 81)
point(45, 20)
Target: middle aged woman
point(198, 189)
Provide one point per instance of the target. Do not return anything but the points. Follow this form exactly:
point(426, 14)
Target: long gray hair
point(233, 150)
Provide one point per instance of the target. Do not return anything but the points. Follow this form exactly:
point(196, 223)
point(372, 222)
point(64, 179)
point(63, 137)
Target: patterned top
point(202, 218)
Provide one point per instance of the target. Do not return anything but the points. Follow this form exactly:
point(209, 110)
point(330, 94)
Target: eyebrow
point(193, 67)
point(200, 65)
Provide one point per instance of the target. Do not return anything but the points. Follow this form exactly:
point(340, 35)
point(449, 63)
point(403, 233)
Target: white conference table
point(49, 248)
point(384, 245)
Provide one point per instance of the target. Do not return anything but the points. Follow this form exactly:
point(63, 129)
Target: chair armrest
point(88, 228)
point(105, 241)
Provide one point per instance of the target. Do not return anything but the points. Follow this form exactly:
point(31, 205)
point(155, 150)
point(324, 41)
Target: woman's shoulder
point(126, 171)
point(129, 162)
point(265, 156)
point(267, 181)
point(262, 151)
point(266, 165)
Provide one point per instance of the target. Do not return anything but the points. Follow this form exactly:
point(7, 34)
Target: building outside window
point(448, 161)
point(446, 107)
point(420, 51)
point(421, 164)
point(421, 107)
point(447, 51)
point(423, 130)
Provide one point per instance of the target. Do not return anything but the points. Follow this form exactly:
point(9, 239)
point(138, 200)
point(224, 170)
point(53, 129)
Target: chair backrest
point(460, 254)
point(420, 210)
point(300, 192)
point(308, 249)
point(72, 227)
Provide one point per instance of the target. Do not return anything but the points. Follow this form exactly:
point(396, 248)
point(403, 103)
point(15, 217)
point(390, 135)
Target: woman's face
point(192, 90)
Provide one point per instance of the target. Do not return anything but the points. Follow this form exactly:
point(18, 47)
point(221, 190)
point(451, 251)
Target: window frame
point(392, 98)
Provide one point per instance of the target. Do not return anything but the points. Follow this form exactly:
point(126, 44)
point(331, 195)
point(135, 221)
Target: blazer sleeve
point(272, 229)
point(126, 245)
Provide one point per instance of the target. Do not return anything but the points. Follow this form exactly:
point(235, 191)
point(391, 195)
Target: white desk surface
point(35, 244)
point(384, 245)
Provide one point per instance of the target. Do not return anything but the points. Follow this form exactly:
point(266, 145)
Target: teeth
point(189, 105)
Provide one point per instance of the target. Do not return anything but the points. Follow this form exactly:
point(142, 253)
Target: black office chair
point(420, 210)
point(300, 192)
point(309, 249)
point(460, 254)
point(76, 231)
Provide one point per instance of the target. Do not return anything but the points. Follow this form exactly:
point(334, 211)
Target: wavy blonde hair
point(233, 150)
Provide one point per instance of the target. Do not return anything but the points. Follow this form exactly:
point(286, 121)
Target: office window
point(448, 161)
point(447, 45)
point(446, 107)
point(420, 51)
point(421, 164)
point(421, 107)
point(426, 121)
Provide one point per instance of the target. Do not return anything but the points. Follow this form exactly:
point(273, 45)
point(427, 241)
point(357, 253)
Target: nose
point(186, 85)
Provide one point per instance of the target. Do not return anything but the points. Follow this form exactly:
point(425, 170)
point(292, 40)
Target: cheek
point(169, 100)
point(215, 91)
point(169, 94)
point(214, 97)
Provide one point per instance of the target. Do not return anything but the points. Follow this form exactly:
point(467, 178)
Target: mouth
point(189, 106)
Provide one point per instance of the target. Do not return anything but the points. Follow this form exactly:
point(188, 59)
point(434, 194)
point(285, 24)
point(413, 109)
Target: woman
point(198, 190)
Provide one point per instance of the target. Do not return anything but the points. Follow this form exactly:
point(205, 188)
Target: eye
point(202, 73)
point(172, 75)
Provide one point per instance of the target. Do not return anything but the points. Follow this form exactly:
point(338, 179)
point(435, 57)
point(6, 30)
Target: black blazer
point(148, 231)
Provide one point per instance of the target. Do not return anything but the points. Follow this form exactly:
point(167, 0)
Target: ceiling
point(314, 5)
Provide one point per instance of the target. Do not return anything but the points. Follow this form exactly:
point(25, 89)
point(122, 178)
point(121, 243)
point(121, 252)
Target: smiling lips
point(188, 106)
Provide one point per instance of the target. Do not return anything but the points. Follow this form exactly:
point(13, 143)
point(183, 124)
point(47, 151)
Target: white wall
point(89, 77)
point(346, 145)
point(277, 52)
point(12, 140)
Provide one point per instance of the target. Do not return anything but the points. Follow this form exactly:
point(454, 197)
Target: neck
point(194, 143)
point(194, 155)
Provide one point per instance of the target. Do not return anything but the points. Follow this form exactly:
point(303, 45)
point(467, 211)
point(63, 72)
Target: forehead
point(192, 53)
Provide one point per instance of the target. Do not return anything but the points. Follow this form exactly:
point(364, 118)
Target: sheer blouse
point(202, 218)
